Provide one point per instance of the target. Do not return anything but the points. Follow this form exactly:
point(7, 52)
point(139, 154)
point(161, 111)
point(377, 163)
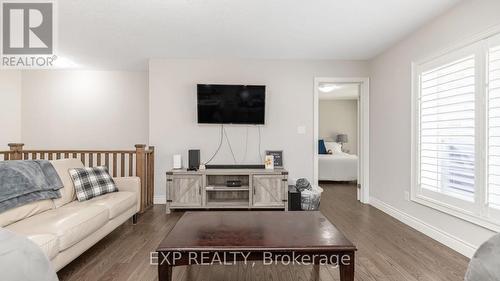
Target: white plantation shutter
point(456, 129)
point(494, 127)
point(447, 128)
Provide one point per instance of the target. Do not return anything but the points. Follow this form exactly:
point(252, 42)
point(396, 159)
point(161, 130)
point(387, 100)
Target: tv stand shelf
point(226, 188)
point(207, 189)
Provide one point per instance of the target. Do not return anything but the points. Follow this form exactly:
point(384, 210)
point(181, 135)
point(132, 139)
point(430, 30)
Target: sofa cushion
point(116, 202)
point(47, 242)
point(70, 223)
point(62, 167)
point(25, 211)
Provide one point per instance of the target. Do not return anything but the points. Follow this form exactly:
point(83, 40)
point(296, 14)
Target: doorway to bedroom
point(340, 128)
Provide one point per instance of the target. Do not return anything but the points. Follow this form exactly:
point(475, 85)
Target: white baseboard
point(162, 199)
point(439, 235)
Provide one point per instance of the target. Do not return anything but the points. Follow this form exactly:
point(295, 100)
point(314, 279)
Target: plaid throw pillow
point(92, 182)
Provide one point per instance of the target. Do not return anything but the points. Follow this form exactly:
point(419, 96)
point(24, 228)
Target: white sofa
point(64, 228)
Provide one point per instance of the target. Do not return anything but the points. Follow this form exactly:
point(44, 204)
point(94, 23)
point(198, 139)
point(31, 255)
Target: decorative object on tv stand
point(269, 162)
point(194, 159)
point(177, 161)
point(342, 138)
point(278, 157)
point(233, 183)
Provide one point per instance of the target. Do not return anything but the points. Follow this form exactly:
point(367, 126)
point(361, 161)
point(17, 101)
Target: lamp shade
point(341, 138)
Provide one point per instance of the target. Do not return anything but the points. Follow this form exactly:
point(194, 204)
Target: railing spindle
point(98, 159)
point(122, 164)
point(114, 164)
point(91, 159)
point(82, 158)
point(130, 164)
point(106, 160)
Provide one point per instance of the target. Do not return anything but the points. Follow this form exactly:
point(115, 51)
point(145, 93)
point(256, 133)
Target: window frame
point(478, 211)
point(490, 42)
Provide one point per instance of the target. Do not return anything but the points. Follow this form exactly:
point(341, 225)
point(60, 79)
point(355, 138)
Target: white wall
point(84, 109)
point(289, 94)
point(10, 109)
point(390, 121)
point(339, 117)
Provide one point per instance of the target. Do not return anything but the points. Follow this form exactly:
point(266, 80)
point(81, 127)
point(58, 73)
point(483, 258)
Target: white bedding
point(338, 167)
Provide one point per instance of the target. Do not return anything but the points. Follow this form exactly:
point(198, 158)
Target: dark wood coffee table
point(270, 236)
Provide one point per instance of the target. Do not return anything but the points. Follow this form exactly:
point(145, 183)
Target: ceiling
point(345, 91)
point(124, 34)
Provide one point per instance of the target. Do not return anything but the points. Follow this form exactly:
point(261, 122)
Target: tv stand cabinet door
point(268, 191)
point(186, 191)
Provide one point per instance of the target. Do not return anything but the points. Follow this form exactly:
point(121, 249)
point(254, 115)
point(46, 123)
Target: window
point(447, 129)
point(456, 144)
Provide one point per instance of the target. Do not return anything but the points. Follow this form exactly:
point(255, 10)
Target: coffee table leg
point(165, 272)
point(347, 269)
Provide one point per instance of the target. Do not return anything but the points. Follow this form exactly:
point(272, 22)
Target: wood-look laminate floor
point(387, 250)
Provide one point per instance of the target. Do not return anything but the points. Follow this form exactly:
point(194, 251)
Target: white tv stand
point(207, 189)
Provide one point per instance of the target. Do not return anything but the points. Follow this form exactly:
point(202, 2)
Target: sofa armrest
point(131, 184)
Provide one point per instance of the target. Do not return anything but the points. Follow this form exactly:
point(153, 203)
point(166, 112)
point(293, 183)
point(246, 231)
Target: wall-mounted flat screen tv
point(231, 104)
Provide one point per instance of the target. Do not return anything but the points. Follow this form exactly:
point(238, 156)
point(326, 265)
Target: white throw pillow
point(335, 147)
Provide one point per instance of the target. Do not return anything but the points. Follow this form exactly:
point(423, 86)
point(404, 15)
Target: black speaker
point(194, 159)
point(294, 199)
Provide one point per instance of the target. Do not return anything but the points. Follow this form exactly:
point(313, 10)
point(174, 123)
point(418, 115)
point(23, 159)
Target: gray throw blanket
point(21, 259)
point(26, 181)
point(485, 264)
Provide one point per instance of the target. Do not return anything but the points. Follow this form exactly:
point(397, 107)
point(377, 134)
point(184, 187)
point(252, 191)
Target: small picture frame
point(278, 157)
point(269, 162)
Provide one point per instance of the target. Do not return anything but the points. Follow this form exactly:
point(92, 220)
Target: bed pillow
point(335, 147)
point(92, 182)
point(322, 147)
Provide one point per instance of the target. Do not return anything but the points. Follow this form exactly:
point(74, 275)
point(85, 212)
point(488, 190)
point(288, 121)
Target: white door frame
point(364, 129)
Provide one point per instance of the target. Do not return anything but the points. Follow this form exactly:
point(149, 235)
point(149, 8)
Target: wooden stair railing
point(123, 163)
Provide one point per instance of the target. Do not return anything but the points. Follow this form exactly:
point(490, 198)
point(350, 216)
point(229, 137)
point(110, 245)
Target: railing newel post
point(140, 150)
point(16, 151)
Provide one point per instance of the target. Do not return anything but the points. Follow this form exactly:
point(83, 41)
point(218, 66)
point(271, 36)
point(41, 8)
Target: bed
point(338, 167)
